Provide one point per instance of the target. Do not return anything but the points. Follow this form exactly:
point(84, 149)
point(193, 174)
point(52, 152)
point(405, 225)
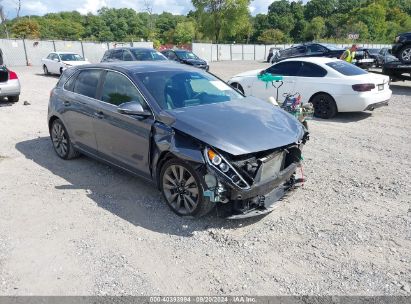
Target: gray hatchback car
point(201, 142)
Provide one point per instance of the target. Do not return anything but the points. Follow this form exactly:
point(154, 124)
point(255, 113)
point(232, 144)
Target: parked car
point(402, 47)
point(57, 62)
point(384, 56)
point(9, 84)
point(363, 58)
point(186, 57)
point(132, 54)
point(332, 85)
point(182, 128)
point(309, 50)
point(272, 52)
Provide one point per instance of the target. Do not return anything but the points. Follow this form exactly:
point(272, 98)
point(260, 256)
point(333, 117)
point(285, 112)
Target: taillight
point(12, 75)
point(365, 87)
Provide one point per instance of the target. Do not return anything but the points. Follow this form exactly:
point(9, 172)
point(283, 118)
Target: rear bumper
point(374, 106)
point(10, 88)
point(360, 102)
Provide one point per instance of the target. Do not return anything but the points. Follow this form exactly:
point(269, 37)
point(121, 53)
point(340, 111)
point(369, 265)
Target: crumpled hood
point(239, 126)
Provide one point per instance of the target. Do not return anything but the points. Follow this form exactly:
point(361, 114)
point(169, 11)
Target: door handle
point(99, 114)
point(66, 103)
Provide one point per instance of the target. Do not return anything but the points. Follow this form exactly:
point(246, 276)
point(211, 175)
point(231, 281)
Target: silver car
point(9, 84)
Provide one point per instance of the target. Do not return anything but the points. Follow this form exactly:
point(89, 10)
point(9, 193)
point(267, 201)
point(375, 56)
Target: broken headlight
point(218, 162)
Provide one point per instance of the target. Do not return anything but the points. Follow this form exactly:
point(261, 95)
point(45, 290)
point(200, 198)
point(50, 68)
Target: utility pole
point(3, 20)
point(18, 8)
point(149, 9)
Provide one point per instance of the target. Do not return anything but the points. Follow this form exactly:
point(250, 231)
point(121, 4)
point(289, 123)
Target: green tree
point(320, 8)
point(219, 15)
point(280, 16)
point(373, 16)
point(25, 28)
point(184, 32)
point(315, 29)
point(272, 36)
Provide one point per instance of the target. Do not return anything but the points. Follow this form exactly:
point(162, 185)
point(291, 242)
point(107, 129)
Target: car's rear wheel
point(13, 98)
point(61, 141)
point(45, 70)
point(405, 54)
point(324, 106)
point(182, 189)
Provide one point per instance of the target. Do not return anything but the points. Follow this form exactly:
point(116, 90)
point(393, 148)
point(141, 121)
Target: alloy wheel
point(406, 54)
point(59, 137)
point(180, 189)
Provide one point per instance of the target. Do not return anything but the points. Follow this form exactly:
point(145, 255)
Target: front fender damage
point(231, 201)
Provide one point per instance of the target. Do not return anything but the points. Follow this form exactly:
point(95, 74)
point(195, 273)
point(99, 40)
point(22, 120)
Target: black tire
point(405, 54)
point(61, 141)
point(182, 189)
point(61, 71)
point(238, 86)
point(46, 70)
point(324, 106)
point(13, 98)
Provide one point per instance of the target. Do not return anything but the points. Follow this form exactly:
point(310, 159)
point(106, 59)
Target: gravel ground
point(82, 228)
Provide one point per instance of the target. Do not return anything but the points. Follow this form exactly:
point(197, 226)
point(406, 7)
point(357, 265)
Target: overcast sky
point(41, 7)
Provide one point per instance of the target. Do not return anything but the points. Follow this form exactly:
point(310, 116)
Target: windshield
point(186, 55)
point(71, 57)
point(346, 68)
point(148, 55)
point(180, 89)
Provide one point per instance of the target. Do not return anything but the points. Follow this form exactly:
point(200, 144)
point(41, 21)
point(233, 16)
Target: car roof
point(142, 66)
point(176, 50)
point(59, 53)
point(132, 48)
point(317, 60)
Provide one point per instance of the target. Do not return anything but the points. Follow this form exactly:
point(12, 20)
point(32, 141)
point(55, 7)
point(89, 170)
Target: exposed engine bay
point(249, 185)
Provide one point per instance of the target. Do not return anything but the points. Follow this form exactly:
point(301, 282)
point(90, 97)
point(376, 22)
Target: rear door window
point(86, 83)
point(316, 49)
point(286, 68)
point(127, 56)
point(346, 68)
point(309, 69)
point(117, 55)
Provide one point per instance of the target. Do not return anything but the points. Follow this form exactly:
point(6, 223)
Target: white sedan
point(57, 62)
point(332, 85)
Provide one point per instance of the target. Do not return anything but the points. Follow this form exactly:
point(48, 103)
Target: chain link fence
point(219, 52)
point(21, 52)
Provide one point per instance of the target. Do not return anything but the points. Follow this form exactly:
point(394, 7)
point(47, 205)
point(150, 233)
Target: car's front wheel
point(61, 141)
point(324, 106)
point(182, 189)
point(405, 54)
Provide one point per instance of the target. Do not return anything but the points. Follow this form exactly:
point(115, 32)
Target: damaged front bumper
point(258, 198)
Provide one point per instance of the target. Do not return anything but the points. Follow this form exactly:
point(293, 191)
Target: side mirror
point(56, 60)
point(133, 108)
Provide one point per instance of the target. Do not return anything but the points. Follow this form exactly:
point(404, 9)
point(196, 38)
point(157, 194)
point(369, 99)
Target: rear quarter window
point(309, 69)
point(346, 68)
